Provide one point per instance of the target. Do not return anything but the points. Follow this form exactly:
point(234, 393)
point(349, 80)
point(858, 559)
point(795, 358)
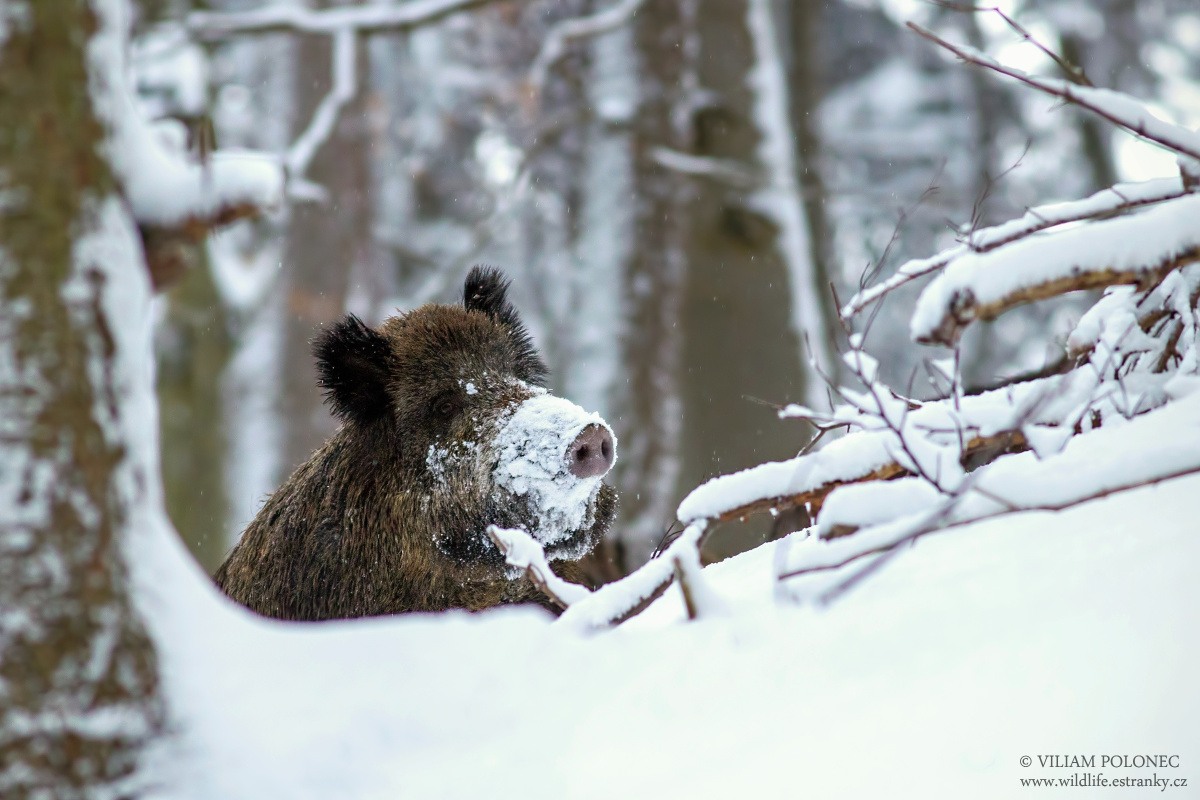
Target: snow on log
point(1137, 249)
point(1157, 446)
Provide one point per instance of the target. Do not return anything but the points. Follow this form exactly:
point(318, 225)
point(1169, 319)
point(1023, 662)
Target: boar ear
point(486, 290)
point(352, 368)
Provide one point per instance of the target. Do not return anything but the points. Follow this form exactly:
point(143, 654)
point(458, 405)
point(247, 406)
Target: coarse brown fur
point(368, 526)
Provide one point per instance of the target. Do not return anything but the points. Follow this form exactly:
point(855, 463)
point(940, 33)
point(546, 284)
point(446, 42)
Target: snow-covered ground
point(1040, 633)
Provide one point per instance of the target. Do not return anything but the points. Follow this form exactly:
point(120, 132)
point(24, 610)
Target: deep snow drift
point(1036, 633)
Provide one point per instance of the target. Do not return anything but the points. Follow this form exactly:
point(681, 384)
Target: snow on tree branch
point(1136, 249)
point(1105, 462)
point(525, 553)
point(1116, 199)
point(554, 46)
point(167, 189)
point(345, 85)
point(361, 19)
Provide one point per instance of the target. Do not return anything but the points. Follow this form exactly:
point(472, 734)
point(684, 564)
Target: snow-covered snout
point(551, 456)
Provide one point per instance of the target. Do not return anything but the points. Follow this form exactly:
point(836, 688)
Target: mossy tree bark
point(78, 672)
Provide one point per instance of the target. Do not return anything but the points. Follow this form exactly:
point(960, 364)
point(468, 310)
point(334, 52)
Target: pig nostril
point(590, 455)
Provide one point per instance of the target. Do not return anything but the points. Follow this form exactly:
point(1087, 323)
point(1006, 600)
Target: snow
point(1032, 634)
point(524, 553)
point(859, 454)
point(163, 184)
point(1137, 243)
point(531, 447)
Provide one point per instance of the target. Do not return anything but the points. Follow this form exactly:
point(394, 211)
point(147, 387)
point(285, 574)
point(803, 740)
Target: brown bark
point(74, 655)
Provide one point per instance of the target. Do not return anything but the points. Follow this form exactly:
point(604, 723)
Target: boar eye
point(446, 405)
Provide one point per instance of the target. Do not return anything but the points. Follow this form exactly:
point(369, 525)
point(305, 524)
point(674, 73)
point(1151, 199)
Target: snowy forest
point(889, 309)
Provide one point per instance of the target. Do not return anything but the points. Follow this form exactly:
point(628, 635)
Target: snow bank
point(1032, 634)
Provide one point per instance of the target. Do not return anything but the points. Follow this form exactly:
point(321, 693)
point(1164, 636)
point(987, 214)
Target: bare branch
point(360, 19)
point(1120, 110)
point(555, 44)
point(685, 588)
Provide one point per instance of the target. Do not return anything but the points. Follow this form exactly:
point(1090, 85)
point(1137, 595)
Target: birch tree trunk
point(78, 673)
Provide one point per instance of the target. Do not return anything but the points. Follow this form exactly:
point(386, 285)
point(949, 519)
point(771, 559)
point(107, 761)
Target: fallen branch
point(523, 552)
point(1003, 442)
point(621, 600)
point(922, 530)
point(963, 307)
point(1138, 250)
point(1027, 483)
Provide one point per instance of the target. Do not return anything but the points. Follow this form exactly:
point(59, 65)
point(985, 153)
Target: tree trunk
point(325, 245)
point(194, 350)
point(740, 344)
point(78, 673)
